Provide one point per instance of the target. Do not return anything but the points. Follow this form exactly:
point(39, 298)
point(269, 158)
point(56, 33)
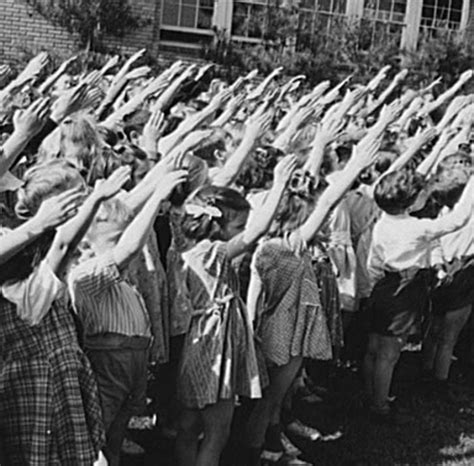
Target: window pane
point(205, 18)
point(188, 16)
point(170, 13)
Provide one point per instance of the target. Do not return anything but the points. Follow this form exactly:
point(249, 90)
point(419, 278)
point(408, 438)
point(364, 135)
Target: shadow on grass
point(440, 434)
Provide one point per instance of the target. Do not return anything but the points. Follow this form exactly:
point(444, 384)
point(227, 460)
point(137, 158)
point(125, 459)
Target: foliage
point(331, 49)
point(445, 55)
point(90, 19)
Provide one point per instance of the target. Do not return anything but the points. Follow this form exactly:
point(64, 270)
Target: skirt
point(457, 291)
point(398, 303)
point(49, 411)
point(219, 360)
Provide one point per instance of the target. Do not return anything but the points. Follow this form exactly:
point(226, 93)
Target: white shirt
point(401, 242)
point(458, 244)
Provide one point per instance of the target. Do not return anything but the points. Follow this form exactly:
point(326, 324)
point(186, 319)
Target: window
point(192, 14)
point(321, 14)
point(250, 16)
point(441, 15)
point(384, 19)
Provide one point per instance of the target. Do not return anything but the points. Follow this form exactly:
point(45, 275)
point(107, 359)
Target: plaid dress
point(49, 406)
point(291, 321)
point(219, 359)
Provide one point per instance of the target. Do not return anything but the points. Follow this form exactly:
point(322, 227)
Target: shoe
point(131, 448)
point(273, 448)
point(298, 428)
point(289, 448)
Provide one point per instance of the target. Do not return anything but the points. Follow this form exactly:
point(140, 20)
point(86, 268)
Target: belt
point(117, 341)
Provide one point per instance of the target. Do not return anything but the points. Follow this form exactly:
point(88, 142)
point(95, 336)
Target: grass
point(442, 433)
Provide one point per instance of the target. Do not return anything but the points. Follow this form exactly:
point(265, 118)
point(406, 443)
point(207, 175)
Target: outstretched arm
point(71, 233)
point(266, 212)
point(53, 212)
point(136, 234)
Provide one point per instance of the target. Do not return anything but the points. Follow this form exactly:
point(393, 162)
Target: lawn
point(442, 433)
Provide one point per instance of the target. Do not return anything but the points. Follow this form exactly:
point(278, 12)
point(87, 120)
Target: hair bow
point(197, 210)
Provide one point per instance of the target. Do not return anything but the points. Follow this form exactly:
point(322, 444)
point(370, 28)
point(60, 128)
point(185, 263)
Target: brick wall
point(23, 28)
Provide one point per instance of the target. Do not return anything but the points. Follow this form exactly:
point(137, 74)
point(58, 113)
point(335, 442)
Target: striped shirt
point(105, 301)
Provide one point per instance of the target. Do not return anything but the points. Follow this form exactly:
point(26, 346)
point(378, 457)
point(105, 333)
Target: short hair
point(228, 201)
point(448, 185)
point(397, 191)
point(45, 180)
point(457, 159)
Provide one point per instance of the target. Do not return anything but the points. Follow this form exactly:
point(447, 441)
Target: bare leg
point(188, 437)
point(388, 353)
point(454, 322)
point(217, 421)
point(268, 410)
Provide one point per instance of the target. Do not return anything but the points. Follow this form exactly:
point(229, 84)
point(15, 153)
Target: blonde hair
point(45, 180)
point(79, 129)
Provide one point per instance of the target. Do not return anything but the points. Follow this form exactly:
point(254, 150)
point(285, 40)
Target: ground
point(442, 432)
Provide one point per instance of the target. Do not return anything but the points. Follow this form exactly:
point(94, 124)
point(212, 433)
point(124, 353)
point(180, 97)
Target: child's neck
point(103, 244)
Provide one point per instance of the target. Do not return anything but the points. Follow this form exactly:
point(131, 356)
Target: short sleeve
point(93, 276)
point(35, 295)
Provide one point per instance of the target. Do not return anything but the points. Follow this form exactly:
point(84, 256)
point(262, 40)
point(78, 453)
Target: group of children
point(226, 232)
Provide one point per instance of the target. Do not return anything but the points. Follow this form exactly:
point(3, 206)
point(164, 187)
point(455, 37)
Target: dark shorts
point(397, 305)
point(457, 290)
point(122, 379)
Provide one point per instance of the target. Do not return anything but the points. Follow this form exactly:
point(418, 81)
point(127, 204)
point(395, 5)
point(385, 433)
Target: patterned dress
point(291, 321)
point(219, 359)
point(49, 403)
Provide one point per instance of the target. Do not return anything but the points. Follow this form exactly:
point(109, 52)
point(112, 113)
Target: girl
point(399, 259)
point(50, 412)
point(290, 321)
point(218, 361)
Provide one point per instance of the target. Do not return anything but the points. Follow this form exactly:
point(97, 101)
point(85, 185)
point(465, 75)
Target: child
point(453, 297)
point(291, 324)
point(50, 412)
point(219, 360)
point(399, 263)
point(115, 320)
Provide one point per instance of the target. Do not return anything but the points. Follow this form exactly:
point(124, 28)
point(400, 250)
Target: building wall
point(22, 28)
point(470, 25)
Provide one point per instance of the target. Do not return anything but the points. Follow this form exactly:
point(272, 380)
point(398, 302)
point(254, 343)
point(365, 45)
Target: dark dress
point(49, 405)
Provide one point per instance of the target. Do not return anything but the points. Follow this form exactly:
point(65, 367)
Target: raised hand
point(153, 130)
point(5, 71)
point(93, 98)
point(377, 80)
point(69, 102)
point(111, 63)
point(202, 71)
point(424, 137)
point(30, 121)
point(284, 169)
point(251, 75)
point(33, 69)
point(138, 73)
point(170, 181)
point(92, 79)
point(366, 151)
point(58, 209)
point(466, 76)
point(106, 189)
point(135, 57)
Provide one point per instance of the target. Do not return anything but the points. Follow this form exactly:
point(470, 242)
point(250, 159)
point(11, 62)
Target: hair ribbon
point(197, 210)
